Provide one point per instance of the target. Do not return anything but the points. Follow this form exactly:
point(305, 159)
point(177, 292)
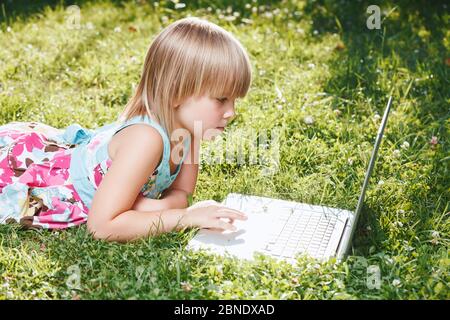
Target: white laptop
point(283, 229)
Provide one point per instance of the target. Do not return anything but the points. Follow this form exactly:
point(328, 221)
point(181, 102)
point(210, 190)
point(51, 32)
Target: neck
point(176, 137)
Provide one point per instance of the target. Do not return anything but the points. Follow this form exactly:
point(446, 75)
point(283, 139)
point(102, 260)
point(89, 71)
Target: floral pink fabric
point(35, 186)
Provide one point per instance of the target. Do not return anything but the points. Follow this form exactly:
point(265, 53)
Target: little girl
point(128, 179)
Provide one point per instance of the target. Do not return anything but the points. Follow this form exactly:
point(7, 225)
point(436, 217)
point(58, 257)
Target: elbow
point(98, 231)
point(184, 199)
point(104, 231)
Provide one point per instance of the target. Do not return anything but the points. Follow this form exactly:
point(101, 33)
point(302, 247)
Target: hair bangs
point(226, 70)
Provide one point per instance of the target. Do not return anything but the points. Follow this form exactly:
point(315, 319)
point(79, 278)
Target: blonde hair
point(190, 57)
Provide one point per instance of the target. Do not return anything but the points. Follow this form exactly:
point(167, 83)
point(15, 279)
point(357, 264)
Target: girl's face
point(205, 117)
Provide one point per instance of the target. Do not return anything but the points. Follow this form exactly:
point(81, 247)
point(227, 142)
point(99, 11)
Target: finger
point(225, 226)
point(215, 229)
point(229, 220)
point(224, 208)
point(230, 213)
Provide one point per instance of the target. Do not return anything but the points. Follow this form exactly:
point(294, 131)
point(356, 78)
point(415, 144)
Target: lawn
point(321, 77)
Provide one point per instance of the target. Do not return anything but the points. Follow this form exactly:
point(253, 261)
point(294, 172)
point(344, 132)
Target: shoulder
point(137, 155)
point(137, 137)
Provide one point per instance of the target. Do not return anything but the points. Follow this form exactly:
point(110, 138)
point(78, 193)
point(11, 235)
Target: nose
point(230, 114)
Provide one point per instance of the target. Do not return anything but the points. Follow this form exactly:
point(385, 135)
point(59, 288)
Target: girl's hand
point(209, 214)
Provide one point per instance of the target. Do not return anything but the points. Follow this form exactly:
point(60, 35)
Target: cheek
point(214, 118)
point(216, 112)
point(205, 114)
point(209, 114)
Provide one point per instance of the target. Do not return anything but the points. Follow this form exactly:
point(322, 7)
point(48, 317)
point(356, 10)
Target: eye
point(222, 100)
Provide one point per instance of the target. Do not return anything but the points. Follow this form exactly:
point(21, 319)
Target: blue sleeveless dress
point(48, 176)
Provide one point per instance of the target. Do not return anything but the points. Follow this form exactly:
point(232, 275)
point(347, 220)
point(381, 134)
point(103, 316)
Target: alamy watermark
point(240, 146)
point(374, 19)
point(372, 273)
point(73, 17)
point(73, 281)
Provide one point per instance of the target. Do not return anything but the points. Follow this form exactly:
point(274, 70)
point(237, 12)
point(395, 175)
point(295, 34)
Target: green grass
point(327, 65)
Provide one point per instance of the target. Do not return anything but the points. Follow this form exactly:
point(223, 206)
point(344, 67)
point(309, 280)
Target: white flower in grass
point(350, 161)
point(435, 234)
point(337, 112)
point(398, 224)
point(308, 120)
point(376, 117)
point(278, 92)
point(227, 283)
point(117, 29)
point(8, 29)
point(186, 286)
point(180, 5)
point(389, 260)
point(89, 26)
point(396, 283)
point(405, 145)
point(396, 153)
point(230, 18)
point(339, 283)
point(434, 140)
point(381, 182)
point(279, 107)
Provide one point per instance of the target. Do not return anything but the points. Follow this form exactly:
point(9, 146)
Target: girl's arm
point(170, 199)
point(176, 196)
point(111, 215)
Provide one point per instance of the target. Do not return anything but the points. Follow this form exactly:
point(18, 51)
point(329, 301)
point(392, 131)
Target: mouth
point(221, 128)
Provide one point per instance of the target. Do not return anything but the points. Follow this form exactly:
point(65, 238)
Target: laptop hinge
point(342, 235)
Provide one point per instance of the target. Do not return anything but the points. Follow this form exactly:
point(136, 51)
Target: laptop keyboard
point(300, 231)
